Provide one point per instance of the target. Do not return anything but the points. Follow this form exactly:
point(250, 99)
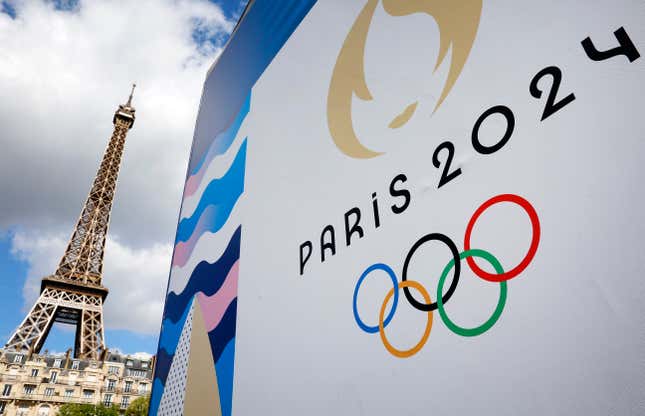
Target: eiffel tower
point(74, 294)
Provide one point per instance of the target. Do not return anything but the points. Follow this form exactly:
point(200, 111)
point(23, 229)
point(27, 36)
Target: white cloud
point(62, 75)
point(136, 355)
point(42, 254)
point(141, 356)
point(56, 353)
point(136, 278)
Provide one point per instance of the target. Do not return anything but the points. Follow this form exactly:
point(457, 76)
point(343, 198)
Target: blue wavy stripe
point(224, 370)
point(223, 141)
point(167, 344)
point(207, 278)
point(224, 332)
point(222, 192)
point(155, 399)
point(171, 331)
point(170, 334)
point(162, 367)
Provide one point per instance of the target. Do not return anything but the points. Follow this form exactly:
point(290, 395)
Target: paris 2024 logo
point(458, 23)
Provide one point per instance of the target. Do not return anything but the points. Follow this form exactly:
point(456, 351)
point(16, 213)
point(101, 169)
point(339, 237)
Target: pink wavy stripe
point(213, 307)
point(193, 182)
point(183, 249)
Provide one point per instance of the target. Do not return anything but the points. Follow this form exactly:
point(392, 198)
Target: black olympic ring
point(455, 255)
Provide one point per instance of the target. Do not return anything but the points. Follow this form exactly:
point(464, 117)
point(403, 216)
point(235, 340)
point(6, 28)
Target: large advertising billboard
point(413, 206)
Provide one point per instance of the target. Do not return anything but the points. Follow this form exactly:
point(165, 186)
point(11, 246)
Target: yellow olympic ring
point(426, 334)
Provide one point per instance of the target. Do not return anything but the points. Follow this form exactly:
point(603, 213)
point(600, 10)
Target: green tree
point(87, 410)
point(139, 407)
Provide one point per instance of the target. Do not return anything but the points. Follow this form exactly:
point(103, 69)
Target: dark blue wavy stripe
point(207, 278)
point(221, 192)
point(171, 331)
point(162, 367)
point(224, 332)
point(170, 334)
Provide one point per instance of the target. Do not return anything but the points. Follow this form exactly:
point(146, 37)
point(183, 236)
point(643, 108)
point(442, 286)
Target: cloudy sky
point(65, 65)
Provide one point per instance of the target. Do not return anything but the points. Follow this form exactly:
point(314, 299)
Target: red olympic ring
point(535, 224)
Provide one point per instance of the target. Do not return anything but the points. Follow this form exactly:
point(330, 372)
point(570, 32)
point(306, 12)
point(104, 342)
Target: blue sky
point(32, 239)
point(14, 274)
point(231, 8)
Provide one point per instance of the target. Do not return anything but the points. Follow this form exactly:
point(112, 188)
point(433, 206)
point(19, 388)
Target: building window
point(88, 394)
point(75, 365)
point(17, 359)
point(125, 401)
point(144, 364)
point(6, 390)
point(43, 411)
point(23, 410)
point(69, 392)
point(34, 372)
point(143, 388)
point(57, 363)
point(111, 384)
point(49, 392)
point(107, 400)
point(136, 373)
point(3, 405)
point(53, 376)
point(29, 389)
point(129, 363)
point(128, 386)
point(113, 369)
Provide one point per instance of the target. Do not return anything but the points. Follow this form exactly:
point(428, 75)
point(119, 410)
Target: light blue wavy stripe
point(171, 331)
point(222, 193)
point(224, 140)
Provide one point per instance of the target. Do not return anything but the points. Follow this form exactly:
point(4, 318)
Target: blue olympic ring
point(387, 269)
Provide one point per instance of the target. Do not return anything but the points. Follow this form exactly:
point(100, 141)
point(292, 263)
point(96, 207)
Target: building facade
point(38, 385)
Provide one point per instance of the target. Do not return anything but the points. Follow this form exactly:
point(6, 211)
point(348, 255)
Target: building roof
point(66, 362)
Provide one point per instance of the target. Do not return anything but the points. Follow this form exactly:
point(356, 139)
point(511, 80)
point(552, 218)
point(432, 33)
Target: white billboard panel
point(396, 207)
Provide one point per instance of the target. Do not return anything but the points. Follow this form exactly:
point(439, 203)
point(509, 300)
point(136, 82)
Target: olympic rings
point(425, 307)
point(387, 269)
point(535, 224)
point(426, 333)
point(471, 332)
point(500, 277)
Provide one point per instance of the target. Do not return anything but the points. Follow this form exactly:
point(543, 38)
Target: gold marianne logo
point(458, 22)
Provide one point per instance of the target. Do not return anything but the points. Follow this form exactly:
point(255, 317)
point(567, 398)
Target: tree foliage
point(87, 410)
point(138, 407)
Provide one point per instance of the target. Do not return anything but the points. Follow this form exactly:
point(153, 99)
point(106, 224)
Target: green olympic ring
point(471, 332)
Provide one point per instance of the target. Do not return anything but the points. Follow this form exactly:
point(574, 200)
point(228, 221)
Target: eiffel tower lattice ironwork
point(74, 294)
